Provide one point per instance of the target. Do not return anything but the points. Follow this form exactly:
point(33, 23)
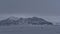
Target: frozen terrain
point(29, 29)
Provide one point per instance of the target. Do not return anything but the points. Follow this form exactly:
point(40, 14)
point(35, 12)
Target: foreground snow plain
point(30, 29)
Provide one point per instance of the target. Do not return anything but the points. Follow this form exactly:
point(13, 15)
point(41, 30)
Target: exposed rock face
point(38, 21)
point(33, 20)
point(9, 21)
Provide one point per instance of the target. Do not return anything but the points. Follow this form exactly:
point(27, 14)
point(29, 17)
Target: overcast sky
point(30, 7)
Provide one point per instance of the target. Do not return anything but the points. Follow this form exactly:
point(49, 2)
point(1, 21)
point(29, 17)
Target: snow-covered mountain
point(16, 20)
point(13, 18)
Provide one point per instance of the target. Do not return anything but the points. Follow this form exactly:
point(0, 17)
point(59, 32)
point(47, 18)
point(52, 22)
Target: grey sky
point(30, 8)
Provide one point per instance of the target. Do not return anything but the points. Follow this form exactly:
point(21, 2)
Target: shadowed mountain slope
point(33, 20)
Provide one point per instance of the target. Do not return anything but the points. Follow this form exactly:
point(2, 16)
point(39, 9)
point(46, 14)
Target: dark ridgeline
point(16, 21)
point(38, 21)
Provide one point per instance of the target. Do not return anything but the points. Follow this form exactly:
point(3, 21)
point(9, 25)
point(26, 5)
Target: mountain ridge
point(32, 20)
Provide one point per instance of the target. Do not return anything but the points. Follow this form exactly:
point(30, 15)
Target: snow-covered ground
point(29, 29)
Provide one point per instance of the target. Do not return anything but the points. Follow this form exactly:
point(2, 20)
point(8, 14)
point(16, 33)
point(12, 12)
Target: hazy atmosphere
point(29, 16)
point(28, 8)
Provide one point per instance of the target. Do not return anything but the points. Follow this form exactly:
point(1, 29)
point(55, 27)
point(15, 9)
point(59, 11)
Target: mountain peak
point(13, 18)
